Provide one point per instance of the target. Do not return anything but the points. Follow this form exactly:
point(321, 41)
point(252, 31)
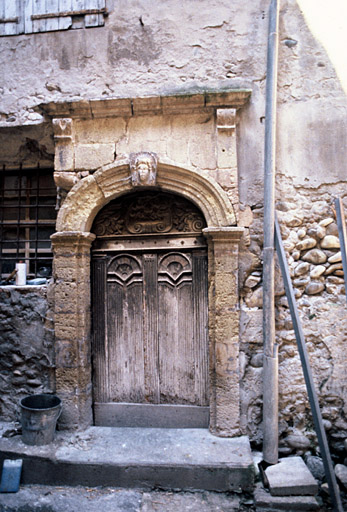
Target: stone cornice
point(148, 105)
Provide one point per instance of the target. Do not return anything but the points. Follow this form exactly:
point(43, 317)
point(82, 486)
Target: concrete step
point(184, 459)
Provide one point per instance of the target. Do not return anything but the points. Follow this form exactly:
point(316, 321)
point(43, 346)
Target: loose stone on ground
point(291, 477)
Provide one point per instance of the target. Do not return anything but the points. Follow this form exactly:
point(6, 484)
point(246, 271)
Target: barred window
point(27, 219)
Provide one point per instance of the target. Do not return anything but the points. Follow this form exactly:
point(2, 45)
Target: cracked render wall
point(151, 48)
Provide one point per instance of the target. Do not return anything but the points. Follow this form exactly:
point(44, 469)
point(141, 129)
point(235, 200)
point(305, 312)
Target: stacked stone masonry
point(310, 238)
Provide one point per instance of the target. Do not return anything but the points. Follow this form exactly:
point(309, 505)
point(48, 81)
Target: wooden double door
point(150, 342)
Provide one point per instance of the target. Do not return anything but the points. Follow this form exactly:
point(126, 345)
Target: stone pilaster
point(71, 272)
point(227, 152)
point(64, 159)
point(223, 244)
point(226, 138)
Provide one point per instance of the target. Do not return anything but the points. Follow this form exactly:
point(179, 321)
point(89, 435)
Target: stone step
point(186, 459)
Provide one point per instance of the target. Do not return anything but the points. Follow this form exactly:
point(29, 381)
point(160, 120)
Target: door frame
point(72, 299)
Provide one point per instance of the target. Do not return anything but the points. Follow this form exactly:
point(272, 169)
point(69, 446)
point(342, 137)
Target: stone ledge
point(148, 105)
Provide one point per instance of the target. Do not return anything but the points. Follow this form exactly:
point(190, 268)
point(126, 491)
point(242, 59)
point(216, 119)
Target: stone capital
point(226, 119)
point(224, 234)
point(72, 239)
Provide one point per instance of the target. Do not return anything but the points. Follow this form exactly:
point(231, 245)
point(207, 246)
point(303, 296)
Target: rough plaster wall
point(145, 48)
point(29, 146)
point(26, 346)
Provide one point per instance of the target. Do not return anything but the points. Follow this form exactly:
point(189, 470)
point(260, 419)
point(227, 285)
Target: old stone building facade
point(150, 119)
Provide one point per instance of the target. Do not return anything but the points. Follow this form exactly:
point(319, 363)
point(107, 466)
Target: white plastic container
point(21, 274)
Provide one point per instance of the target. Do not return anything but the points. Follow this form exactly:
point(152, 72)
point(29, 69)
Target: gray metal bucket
point(39, 415)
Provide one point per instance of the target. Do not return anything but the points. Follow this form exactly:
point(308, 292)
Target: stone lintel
point(224, 234)
point(148, 105)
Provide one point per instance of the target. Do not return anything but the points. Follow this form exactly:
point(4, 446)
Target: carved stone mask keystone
point(143, 169)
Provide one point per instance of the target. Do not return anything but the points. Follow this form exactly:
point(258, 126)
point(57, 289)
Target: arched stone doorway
point(150, 311)
point(72, 249)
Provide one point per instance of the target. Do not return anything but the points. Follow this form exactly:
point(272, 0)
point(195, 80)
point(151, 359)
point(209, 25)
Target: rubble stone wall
point(310, 237)
point(26, 345)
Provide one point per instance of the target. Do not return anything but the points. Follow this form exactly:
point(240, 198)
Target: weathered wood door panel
point(124, 329)
point(150, 344)
point(150, 337)
point(182, 349)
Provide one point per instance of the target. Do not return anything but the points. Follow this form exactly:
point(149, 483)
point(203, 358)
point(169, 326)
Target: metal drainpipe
point(270, 365)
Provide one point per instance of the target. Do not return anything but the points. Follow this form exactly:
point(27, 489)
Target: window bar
point(19, 195)
point(37, 221)
point(2, 198)
point(26, 218)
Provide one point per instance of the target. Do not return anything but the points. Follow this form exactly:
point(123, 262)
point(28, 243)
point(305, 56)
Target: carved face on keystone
point(143, 168)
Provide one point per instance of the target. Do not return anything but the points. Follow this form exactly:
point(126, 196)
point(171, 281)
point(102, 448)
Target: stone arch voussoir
point(93, 192)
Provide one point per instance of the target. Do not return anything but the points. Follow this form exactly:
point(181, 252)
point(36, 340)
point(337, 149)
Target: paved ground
point(45, 498)
point(38, 498)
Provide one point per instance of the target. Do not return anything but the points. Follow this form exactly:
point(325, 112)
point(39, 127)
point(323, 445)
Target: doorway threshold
point(151, 415)
point(185, 459)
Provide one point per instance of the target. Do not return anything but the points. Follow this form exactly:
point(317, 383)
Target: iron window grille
point(27, 220)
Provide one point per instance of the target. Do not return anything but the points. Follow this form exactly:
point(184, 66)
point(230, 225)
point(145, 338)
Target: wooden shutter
point(94, 20)
point(31, 16)
point(11, 18)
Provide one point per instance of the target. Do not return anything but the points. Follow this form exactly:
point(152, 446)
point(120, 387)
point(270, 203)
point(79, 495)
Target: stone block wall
point(198, 140)
point(26, 346)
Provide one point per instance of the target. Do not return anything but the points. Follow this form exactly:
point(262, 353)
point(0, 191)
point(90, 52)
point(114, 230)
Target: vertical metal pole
point(341, 224)
point(270, 367)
